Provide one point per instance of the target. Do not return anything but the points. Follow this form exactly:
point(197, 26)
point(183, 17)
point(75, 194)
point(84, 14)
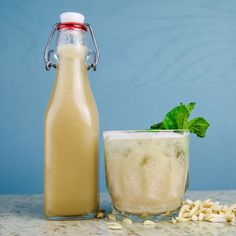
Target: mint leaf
point(190, 107)
point(169, 123)
point(177, 118)
point(157, 126)
point(198, 126)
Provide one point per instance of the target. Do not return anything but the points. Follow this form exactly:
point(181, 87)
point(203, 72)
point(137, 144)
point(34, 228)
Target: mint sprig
point(178, 118)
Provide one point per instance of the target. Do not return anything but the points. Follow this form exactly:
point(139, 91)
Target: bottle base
point(76, 217)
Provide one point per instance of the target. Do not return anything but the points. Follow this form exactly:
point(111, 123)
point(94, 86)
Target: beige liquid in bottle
point(71, 139)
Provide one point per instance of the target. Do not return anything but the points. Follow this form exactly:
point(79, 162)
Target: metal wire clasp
point(48, 53)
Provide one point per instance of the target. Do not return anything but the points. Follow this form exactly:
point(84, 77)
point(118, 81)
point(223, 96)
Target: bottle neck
point(72, 49)
point(76, 37)
point(72, 61)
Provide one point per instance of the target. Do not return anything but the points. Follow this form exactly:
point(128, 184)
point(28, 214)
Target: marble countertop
point(22, 215)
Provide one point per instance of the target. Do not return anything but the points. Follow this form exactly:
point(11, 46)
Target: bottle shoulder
point(71, 111)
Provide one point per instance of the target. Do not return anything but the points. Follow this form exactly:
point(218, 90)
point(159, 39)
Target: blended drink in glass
point(146, 172)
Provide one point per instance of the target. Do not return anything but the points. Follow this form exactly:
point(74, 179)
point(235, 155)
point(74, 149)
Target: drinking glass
point(146, 172)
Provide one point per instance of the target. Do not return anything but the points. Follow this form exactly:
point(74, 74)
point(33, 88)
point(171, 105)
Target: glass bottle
point(71, 126)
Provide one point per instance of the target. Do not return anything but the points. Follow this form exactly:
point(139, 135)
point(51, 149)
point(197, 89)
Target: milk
point(71, 139)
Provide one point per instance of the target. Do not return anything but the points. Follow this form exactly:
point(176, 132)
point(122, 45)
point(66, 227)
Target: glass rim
point(151, 131)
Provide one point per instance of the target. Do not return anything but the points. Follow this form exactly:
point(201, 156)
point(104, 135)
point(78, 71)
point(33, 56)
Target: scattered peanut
point(183, 209)
point(230, 216)
point(207, 203)
point(206, 211)
point(194, 218)
point(149, 223)
point(127, 221)
point(111, 217)
point(215, 218)
point(114, 226)
point(234, 211)
point(181, 219)
point(100, 215)
point(189, 202)
point(174, 221)
point(201, 216)
point(233, 222)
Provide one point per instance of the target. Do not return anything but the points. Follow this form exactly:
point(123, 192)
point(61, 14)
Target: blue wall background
point(154, 54)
